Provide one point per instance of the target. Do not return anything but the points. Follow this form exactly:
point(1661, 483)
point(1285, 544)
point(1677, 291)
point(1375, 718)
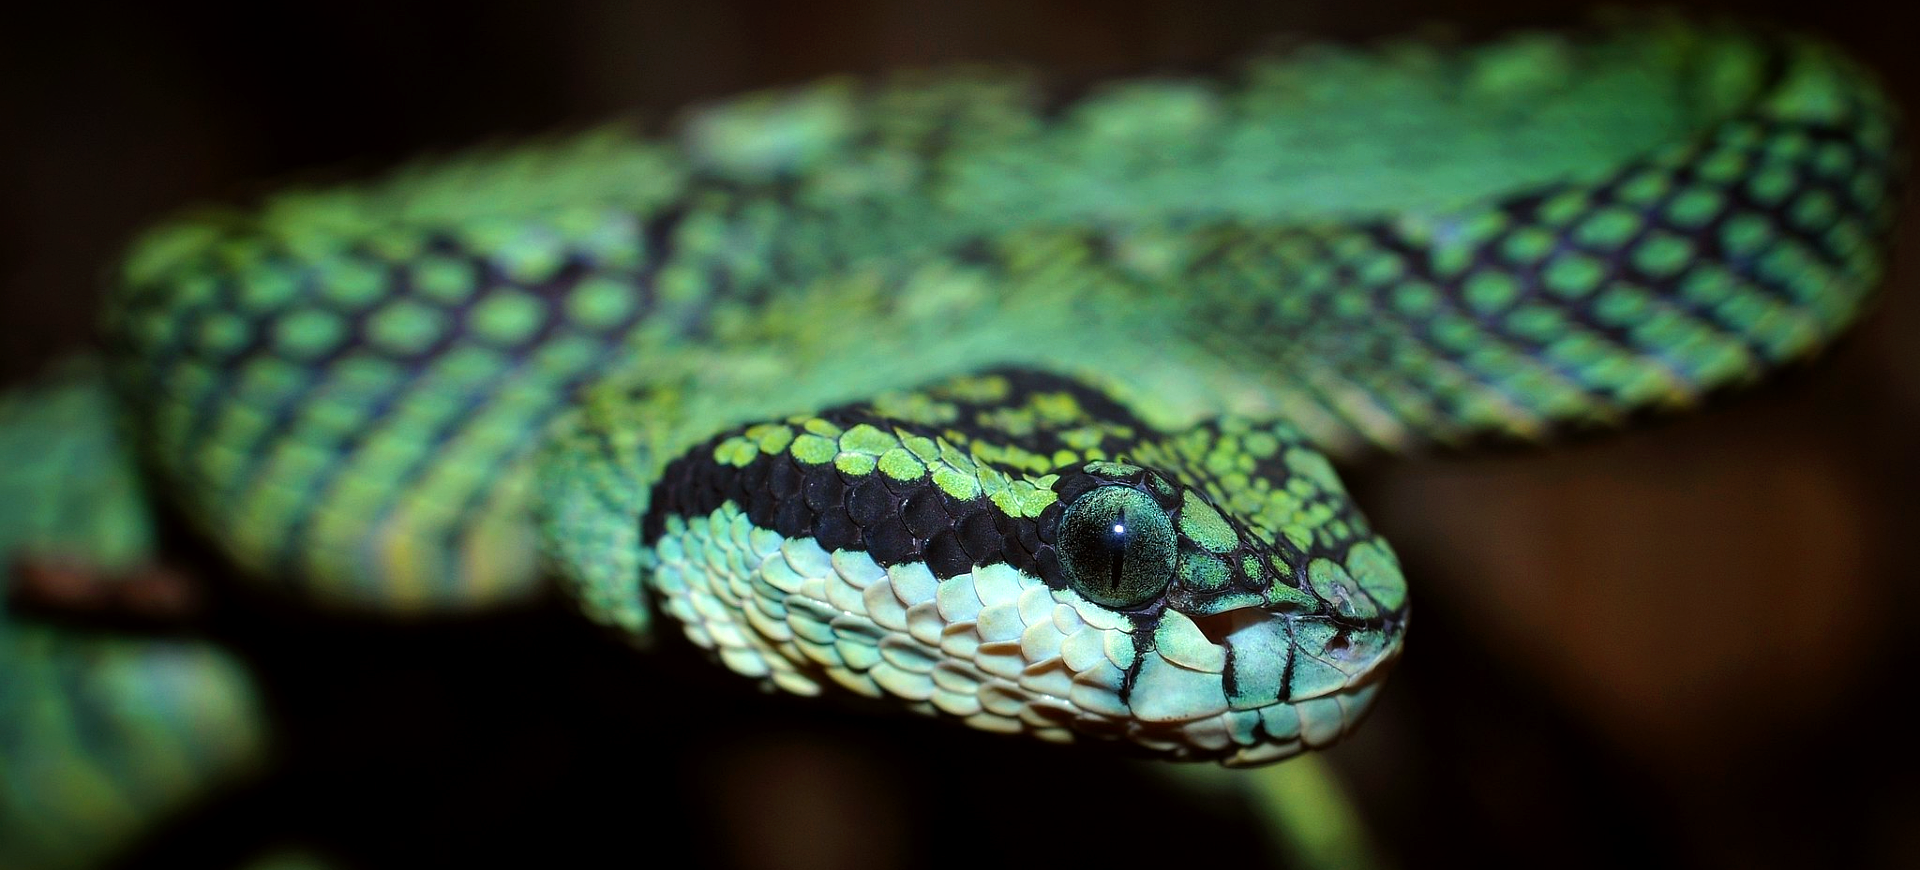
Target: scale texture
point(1009, 407)
point(349, 390)
point(99, 734)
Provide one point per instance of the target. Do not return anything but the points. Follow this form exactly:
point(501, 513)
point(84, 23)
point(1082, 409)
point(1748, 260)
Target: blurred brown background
point(1691, 644)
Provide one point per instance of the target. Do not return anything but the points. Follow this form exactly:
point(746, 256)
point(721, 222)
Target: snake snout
point(1306, 680)
point(1264, 639)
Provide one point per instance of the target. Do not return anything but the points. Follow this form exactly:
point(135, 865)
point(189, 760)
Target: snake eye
point(1117, 546)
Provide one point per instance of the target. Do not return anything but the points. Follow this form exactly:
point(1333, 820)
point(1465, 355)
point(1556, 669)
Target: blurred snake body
point(1012, 409)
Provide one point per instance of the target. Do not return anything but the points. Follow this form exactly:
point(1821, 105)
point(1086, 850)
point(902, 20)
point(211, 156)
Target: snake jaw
point(1278, 625)
point(1003, 650)
point(1293, 678)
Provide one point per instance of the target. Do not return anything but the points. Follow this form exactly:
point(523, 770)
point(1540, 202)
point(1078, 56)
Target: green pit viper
point(1007, 408)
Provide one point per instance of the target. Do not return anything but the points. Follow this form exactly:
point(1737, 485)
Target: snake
point(949, 390)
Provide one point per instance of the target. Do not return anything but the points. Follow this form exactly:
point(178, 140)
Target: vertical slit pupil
point(1106, 557)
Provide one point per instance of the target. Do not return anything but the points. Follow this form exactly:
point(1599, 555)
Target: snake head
point(1219, 640)
point(1020, 552)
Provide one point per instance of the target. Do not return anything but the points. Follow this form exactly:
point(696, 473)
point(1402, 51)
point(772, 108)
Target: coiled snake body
point(1017, 413)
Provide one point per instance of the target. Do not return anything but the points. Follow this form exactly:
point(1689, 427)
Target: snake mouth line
point(1220, 627)
point(1246, 632)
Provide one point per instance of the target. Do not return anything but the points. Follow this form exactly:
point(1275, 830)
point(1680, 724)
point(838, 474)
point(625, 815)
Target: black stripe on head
point(899, 521)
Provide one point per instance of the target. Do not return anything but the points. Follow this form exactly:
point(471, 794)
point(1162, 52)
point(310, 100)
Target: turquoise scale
point(356, 394)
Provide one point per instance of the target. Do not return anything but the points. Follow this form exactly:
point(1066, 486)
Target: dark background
point(1691, 644)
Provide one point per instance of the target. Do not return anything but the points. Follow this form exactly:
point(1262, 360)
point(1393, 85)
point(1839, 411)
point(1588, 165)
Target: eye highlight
point(1117, 546)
